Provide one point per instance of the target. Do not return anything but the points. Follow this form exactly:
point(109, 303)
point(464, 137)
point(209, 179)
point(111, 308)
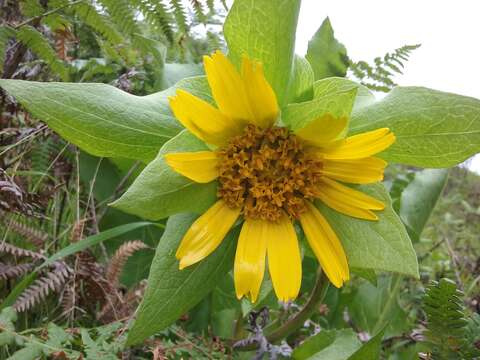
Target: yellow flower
point(270, 176)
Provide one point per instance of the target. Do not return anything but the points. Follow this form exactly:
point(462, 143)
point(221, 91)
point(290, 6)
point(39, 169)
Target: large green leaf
point(433, 129)
point(159, 192)
point(265, 31)
point(379, 245)
point(370, 350)
point(335, 85)
point(327, 56)
point(99, 118)
point(171, 292)
point(328, 345)
point(418, 199)
point(301, 88)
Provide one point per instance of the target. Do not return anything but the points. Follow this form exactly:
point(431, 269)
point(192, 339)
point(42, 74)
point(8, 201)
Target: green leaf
point(265, 31)
point(91, 241)
point(159, 192)
point(373, 308)
point(327, 56)
point(379, 245)
point(335, 85)
point(418, 199)
point(173, 73)
point(367, 274)
point(433, 128)
point(171, 292)
point(301, 88)
point(99, 118)
point(370, 350)
point(337, 105)
point(328, 345)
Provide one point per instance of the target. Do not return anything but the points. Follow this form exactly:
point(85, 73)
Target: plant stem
point(297, 321)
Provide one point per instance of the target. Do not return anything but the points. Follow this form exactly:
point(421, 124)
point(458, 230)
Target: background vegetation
point(52, 194)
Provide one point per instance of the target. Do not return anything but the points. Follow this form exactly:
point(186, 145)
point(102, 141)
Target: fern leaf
point(6, 33)
point(36, 42)
point(446, 324)
point(198, 10)
point(8, 271)
point(120, 258)
point(6, 248)
point(98, 22)
point(33, 235)
point(122, 15)
point(157, 15)
point(41, 288)
point(211, 6)
point(31, 8)
point(179, 13)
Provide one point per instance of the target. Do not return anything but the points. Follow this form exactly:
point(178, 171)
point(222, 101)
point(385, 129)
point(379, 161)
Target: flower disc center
point(268, 173)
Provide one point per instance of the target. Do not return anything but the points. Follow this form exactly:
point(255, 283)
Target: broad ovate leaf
point(159, 191)
point(326, 55)
point(434, 129)
point(99, 118)
point(378, 245)
point(172, 292)
point(265, 31)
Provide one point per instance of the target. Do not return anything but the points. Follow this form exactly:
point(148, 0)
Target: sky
point(449, 32)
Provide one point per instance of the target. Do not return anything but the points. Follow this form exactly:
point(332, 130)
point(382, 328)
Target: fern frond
point(157, 15)
point(446, 324)
point(33, 235)
point(53, 281)
point(98, 22)
point(179, 12)
point(198, 10)
point(8, 271)
point(6, 248)
point(211, 6)
point(122, 15)
point(383, 69)
point(31, 8)
point(36, 42)
point(6, 33)
point(119, 259)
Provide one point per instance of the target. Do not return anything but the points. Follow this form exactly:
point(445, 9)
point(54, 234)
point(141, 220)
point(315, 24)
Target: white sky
point(449, 31)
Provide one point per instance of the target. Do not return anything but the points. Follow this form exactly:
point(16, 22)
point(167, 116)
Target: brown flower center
point(267, 172)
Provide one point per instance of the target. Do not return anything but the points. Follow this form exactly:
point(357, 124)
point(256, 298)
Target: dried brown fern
point(8, 271)
point(6, 248)
point(35, 236)
point(52, 281)
point(119, 259)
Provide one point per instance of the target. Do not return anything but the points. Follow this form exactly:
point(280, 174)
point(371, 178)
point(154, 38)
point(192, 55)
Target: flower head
point(269, 177)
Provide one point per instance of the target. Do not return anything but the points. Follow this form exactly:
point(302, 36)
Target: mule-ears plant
point(309, 101)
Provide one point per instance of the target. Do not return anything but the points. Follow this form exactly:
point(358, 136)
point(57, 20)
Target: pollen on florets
point(268, 173)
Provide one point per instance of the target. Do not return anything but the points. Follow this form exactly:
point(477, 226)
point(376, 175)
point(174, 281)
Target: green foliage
point(36, 41)
point(379, 76)
point(446, 322)
point(98, 22)
point(171, 292)
point(433, 129)
point(100, 118)
point(265, 31)
point(326, 55)
point(380, 245)
point(159, 192)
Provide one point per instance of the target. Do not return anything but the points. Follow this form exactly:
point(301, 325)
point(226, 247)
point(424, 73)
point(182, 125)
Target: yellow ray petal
point(206, 233)
point(202, 119)
point(284, 261)
point(347, 200)
point(324, 131)
point(261, 97)
point(355, 171)
point(249, 265)
point(228, 87)
point(199, 166)
point(361, 145)
point(326, 245)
